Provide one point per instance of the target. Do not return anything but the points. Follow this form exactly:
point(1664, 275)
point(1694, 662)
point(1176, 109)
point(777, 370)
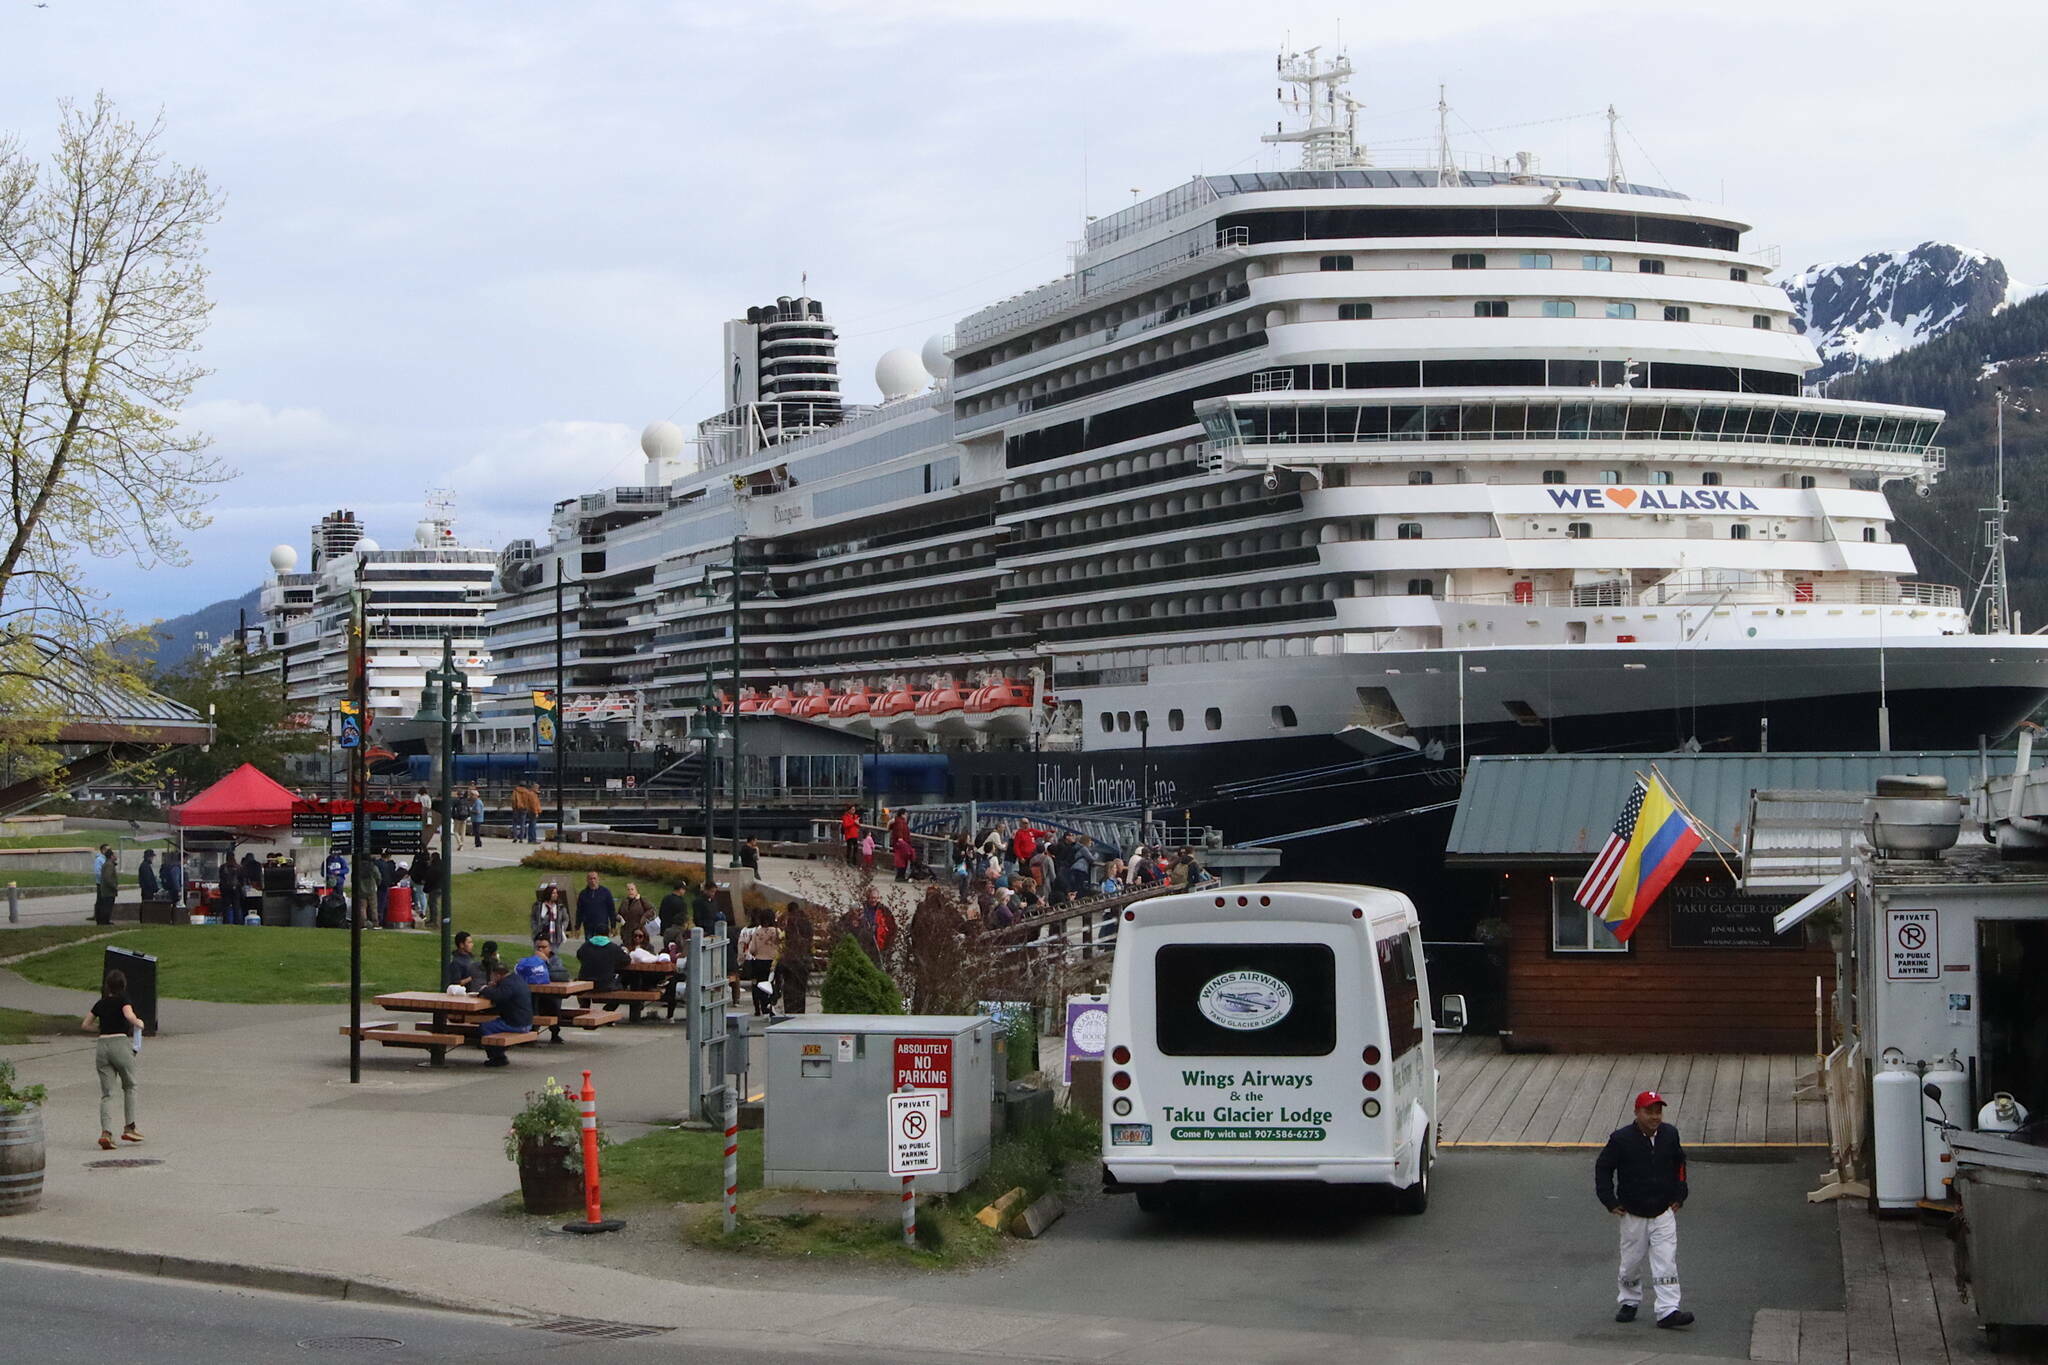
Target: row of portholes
point(1122, 722)
point(1207, 604)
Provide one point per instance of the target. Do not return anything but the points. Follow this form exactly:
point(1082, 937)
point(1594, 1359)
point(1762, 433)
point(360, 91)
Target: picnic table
point(650, 983)
point(551, 1007)
point(454, 1021)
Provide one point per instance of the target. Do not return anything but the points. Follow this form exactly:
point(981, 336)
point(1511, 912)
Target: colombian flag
point(1647, 846)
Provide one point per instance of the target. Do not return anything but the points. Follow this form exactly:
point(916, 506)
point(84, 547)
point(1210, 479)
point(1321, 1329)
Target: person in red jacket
point(1025, 844)
point(849, 830)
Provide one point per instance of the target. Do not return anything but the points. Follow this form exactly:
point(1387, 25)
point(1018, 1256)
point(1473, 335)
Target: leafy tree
point(855, 985)
point(252, 724)
point(102, 301)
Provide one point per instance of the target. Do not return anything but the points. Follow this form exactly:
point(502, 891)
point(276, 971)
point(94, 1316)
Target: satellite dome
point(899, 373)
point(283, 559)
point(366, 545)
point(934, 355)
point(661, 440)
point(426, 534)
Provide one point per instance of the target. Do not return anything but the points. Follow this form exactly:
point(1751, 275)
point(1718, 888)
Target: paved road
point(57, 1316)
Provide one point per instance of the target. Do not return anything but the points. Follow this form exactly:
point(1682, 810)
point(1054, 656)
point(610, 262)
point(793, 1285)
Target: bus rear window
point(1245, 999)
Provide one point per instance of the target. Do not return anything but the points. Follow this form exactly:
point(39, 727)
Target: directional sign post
point(913, 1148)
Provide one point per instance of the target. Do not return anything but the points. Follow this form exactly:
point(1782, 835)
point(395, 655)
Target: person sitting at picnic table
point(595, 909)
point(598, 961)
point(489, 960)
point(514, 1003)
point(548, 913)
point(541, 965)
point(461, 969)
point(643, 948)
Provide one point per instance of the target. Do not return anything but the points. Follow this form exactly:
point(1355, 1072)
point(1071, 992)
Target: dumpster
point(140, 969)
point(829, 1078)
point(2003, 1242)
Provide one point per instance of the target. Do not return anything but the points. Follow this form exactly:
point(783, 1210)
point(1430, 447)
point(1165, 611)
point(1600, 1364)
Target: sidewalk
point(272, 1171)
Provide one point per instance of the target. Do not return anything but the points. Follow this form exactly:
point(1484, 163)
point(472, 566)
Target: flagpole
point(1686, 811)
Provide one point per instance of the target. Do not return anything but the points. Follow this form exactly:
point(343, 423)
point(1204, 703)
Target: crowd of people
point(1007, 874)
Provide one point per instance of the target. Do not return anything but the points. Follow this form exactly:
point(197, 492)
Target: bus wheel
point(1415, 1199)
point(1154, 1199)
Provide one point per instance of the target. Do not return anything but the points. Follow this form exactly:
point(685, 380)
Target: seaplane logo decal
point(1245, 1000)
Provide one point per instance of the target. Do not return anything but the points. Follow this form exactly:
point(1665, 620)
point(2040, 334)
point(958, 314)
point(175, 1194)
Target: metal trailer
point(2003, 1241)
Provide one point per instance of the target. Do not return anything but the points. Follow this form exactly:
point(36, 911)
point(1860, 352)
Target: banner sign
point(543, 721)
point(1714, 915)
point(351, 726)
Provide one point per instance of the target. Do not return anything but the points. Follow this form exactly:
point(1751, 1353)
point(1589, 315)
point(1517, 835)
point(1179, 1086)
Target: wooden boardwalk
point(1489, 1098)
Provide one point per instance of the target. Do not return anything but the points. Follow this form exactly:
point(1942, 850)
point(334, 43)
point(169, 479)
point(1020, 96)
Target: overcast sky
point(477, 244)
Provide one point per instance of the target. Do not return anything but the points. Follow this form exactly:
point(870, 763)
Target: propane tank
point(1947, 1073)
point(1895, 1115)
point(2002, 1114)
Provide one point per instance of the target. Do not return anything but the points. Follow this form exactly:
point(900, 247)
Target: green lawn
point(668, 1167)
point(497, 902)
point(37, 876)
point(77, 838)
point(21, 1026)
point(14, 942)
point(240, 965)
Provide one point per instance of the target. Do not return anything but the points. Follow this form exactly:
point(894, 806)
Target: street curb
point(304, 1283)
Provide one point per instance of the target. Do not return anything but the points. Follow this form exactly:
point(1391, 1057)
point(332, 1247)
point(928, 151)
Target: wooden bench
point(581, 1018)
point(498, 1040)
point(393, 1033)
point(633, 1000)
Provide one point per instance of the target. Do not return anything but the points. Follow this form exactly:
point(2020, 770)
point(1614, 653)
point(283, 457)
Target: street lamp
point(445, 701)
point(705, 729)
point(1145, 777)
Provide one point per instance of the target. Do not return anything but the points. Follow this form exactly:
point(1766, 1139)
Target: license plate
point(1130, 1135)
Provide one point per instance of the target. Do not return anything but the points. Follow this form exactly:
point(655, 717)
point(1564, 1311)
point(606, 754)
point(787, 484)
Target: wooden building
point(1703, 972)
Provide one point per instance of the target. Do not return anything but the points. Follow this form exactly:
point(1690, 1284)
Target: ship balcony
point(1708, 592)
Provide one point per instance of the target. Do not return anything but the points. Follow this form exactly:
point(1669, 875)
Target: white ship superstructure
point(432, 590)
point(1294, 465)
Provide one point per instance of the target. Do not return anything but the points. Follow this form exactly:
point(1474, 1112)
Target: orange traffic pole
point(593, 1210)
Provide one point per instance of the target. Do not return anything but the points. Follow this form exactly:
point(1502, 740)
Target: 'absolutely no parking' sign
point(914, 1133)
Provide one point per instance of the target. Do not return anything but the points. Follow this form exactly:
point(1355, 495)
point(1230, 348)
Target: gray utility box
point(829, 1077)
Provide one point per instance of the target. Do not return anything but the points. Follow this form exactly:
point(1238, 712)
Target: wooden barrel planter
point(21, 1160)
point(546, 1184)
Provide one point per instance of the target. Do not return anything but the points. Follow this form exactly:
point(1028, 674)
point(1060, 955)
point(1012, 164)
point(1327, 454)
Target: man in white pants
point(1640, 1179)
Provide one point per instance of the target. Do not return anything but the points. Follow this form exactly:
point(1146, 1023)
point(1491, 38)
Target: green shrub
point(659, 875)
point(855, 985)
point(1023, 1044)
point(13, 1098)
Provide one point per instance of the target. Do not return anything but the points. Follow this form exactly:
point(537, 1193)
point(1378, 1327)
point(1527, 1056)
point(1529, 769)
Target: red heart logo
point(1621, 497)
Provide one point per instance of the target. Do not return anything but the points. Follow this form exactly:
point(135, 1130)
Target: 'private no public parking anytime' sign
point(914, 1133)
point(1911, 950)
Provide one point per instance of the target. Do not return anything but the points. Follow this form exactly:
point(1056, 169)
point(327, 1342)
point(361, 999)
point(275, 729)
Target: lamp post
point(705, 729)
point(561, 715)
point(445, 701)
point(739, 590)
point(1145, 777)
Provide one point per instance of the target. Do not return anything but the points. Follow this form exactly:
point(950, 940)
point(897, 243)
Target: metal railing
point(1709, 593)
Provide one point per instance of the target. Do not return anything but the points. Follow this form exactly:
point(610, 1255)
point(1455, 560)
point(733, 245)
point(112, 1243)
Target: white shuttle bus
point(1270, 1033)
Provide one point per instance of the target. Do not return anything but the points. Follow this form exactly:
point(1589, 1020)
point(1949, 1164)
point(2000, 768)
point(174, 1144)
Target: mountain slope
point(175, 637)
point(1857, 313)
point(1962, 372)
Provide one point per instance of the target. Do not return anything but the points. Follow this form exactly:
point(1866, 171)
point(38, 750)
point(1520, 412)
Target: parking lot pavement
point(1513, 1248)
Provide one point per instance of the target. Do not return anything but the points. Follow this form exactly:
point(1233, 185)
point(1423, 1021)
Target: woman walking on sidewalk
point(120, 1033)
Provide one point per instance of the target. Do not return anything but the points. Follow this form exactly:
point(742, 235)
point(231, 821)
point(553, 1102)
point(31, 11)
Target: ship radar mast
point(1322, 104)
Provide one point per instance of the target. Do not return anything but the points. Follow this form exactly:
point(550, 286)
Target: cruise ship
point(1300, 488)
point(417, 596)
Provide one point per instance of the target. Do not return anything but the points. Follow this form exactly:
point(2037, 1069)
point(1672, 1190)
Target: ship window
point(1559, 308)
point(1870, 533)
point(1535, 260)
point(1739, 531)
point(1738, 274)
point(1660, 476)
point(1553, 476)
point(1575, 929)
point(1674, 313)
point(1212, 719)
point(1621, 310)
point(1760, 321)
point(1610, 476)
point(1579, 530)
point(1409, 530)
point(1336, 263)
point(1175, 720)
point(1421, 587)
point(593, 561)
point(1283, 718)
point(1806, 481)
point(1468, 260)
point(1419, 477)
point(1710, 477)
point(1649, 267)
point(1490, 308)
point(1597, 263)
point(1123, 720)
point(1108, 722)
point(1354, 312)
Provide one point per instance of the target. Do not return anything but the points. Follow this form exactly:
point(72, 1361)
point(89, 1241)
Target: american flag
point(1598, 888)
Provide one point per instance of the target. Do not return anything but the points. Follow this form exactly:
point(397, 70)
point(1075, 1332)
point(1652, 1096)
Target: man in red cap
point(1640, 1179)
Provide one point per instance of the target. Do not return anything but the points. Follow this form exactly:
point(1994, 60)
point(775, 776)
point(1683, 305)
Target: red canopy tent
point(244, 799)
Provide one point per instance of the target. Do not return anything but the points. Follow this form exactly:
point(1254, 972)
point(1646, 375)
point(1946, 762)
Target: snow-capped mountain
point(1859, 312)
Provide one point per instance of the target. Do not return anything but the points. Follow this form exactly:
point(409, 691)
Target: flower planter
point(546, 1184)
point(21, 1160)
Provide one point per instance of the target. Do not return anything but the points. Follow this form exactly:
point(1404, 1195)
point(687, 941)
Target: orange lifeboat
point(781, 703)
point(942, 711)
point(895, 712)
point(752, 702)
point(1003, 708)
point(815, 705)
point(850, 709)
